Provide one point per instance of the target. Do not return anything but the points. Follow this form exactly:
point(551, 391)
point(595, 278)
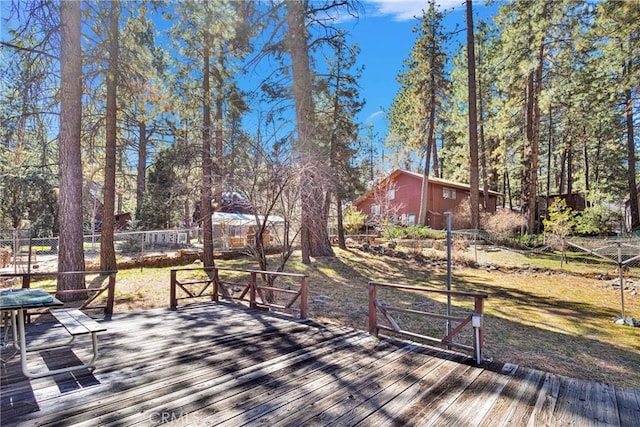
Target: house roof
point(443, 182)
point(243, 219)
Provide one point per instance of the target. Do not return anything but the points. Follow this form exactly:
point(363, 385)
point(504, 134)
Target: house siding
point(408, 192)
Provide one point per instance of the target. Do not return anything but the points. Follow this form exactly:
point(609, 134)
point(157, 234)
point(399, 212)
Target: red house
point(397, 199)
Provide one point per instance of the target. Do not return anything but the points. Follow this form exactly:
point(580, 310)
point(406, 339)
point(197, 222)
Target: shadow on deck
point(220, 364)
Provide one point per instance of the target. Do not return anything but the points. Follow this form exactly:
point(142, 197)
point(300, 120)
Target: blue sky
point(384, 34)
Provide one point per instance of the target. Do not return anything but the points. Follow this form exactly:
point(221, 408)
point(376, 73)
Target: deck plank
point(343, 380)
point(157, 391)
point(517, 401)
point(628, 402)
point(340, 401)
point(218, 364)
point(545, 406)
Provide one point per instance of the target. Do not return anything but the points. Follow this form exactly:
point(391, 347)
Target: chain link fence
point(614, 260)
point(20, 253)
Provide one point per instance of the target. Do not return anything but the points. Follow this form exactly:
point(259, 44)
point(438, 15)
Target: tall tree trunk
point(549, 152)
point(585, 152)
point(631, 159)
point(314, 235)
point(563, 167)
point(597, 160)
point(527, 155)
point(423, 217)
point(207, 166)
point(570, 173)
point(535, 145)
point(342, 243)
point(507, 189)
point(435, 161)
point(141, 170)
point(71, 253)
point(219, 152)
point(473, 121)
point(483, 152)
point(107, 250)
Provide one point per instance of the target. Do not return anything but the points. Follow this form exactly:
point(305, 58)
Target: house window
point(411, 219)
point(391, 194)
point(375, 209)
point(448, 193)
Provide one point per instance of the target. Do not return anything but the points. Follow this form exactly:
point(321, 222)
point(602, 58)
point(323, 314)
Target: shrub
point(418, 232)
point(596, 220)
point(504, 223)
point(461, 216)
point(531, 240)
point(394, 232)
point(353, 219)
point(561, 219)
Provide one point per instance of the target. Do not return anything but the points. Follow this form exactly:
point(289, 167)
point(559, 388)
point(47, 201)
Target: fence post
point(621, 278)
point(216, 279)
point(108, 311)
point(477, 322)
point(373, 321)
point(252, 290)
point(26, 281)
point(304, 295)
point(173, 300)
point(449, 243)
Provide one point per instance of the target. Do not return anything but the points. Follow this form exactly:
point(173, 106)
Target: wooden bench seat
point(76, 322)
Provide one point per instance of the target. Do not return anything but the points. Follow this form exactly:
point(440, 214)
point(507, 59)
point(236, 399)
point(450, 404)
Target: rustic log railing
point(475, 318)
point(258, 296)
point(92, 292)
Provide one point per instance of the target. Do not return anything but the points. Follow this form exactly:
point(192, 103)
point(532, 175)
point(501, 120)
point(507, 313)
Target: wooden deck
point(217, 364)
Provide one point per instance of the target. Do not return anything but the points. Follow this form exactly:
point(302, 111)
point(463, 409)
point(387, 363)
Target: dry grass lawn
point(549, 320)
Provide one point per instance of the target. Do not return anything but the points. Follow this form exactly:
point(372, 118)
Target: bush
point(353, 220)
point(132, 244)
point(596, 221)
point(531, 240)
point(504, 223)
point(561, 220)
point(392, 233)
point(417, 232)
point(461, 216)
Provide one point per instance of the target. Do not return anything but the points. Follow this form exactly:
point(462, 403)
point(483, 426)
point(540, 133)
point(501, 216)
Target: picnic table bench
point(15, 303)
point(77, 323)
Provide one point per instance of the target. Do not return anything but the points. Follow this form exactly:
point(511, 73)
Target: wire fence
point(21, 253)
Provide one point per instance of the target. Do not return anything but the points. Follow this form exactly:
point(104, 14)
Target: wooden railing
point(263, 295)
point(92, 292)
point(475, 318)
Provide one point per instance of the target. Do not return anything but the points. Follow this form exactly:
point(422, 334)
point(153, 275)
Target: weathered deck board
point(218, 364)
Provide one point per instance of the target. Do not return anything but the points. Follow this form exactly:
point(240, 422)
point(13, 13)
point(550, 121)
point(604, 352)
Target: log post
point(373, 321)
point(304, 295)
point(173, 300)
point(252, 290)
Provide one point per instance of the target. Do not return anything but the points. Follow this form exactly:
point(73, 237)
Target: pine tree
point(314, 235)
point(424, 84)
point(473, 120)
point(71, 251)
point(341, 105)
point(107, 250)
point(619, 29)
